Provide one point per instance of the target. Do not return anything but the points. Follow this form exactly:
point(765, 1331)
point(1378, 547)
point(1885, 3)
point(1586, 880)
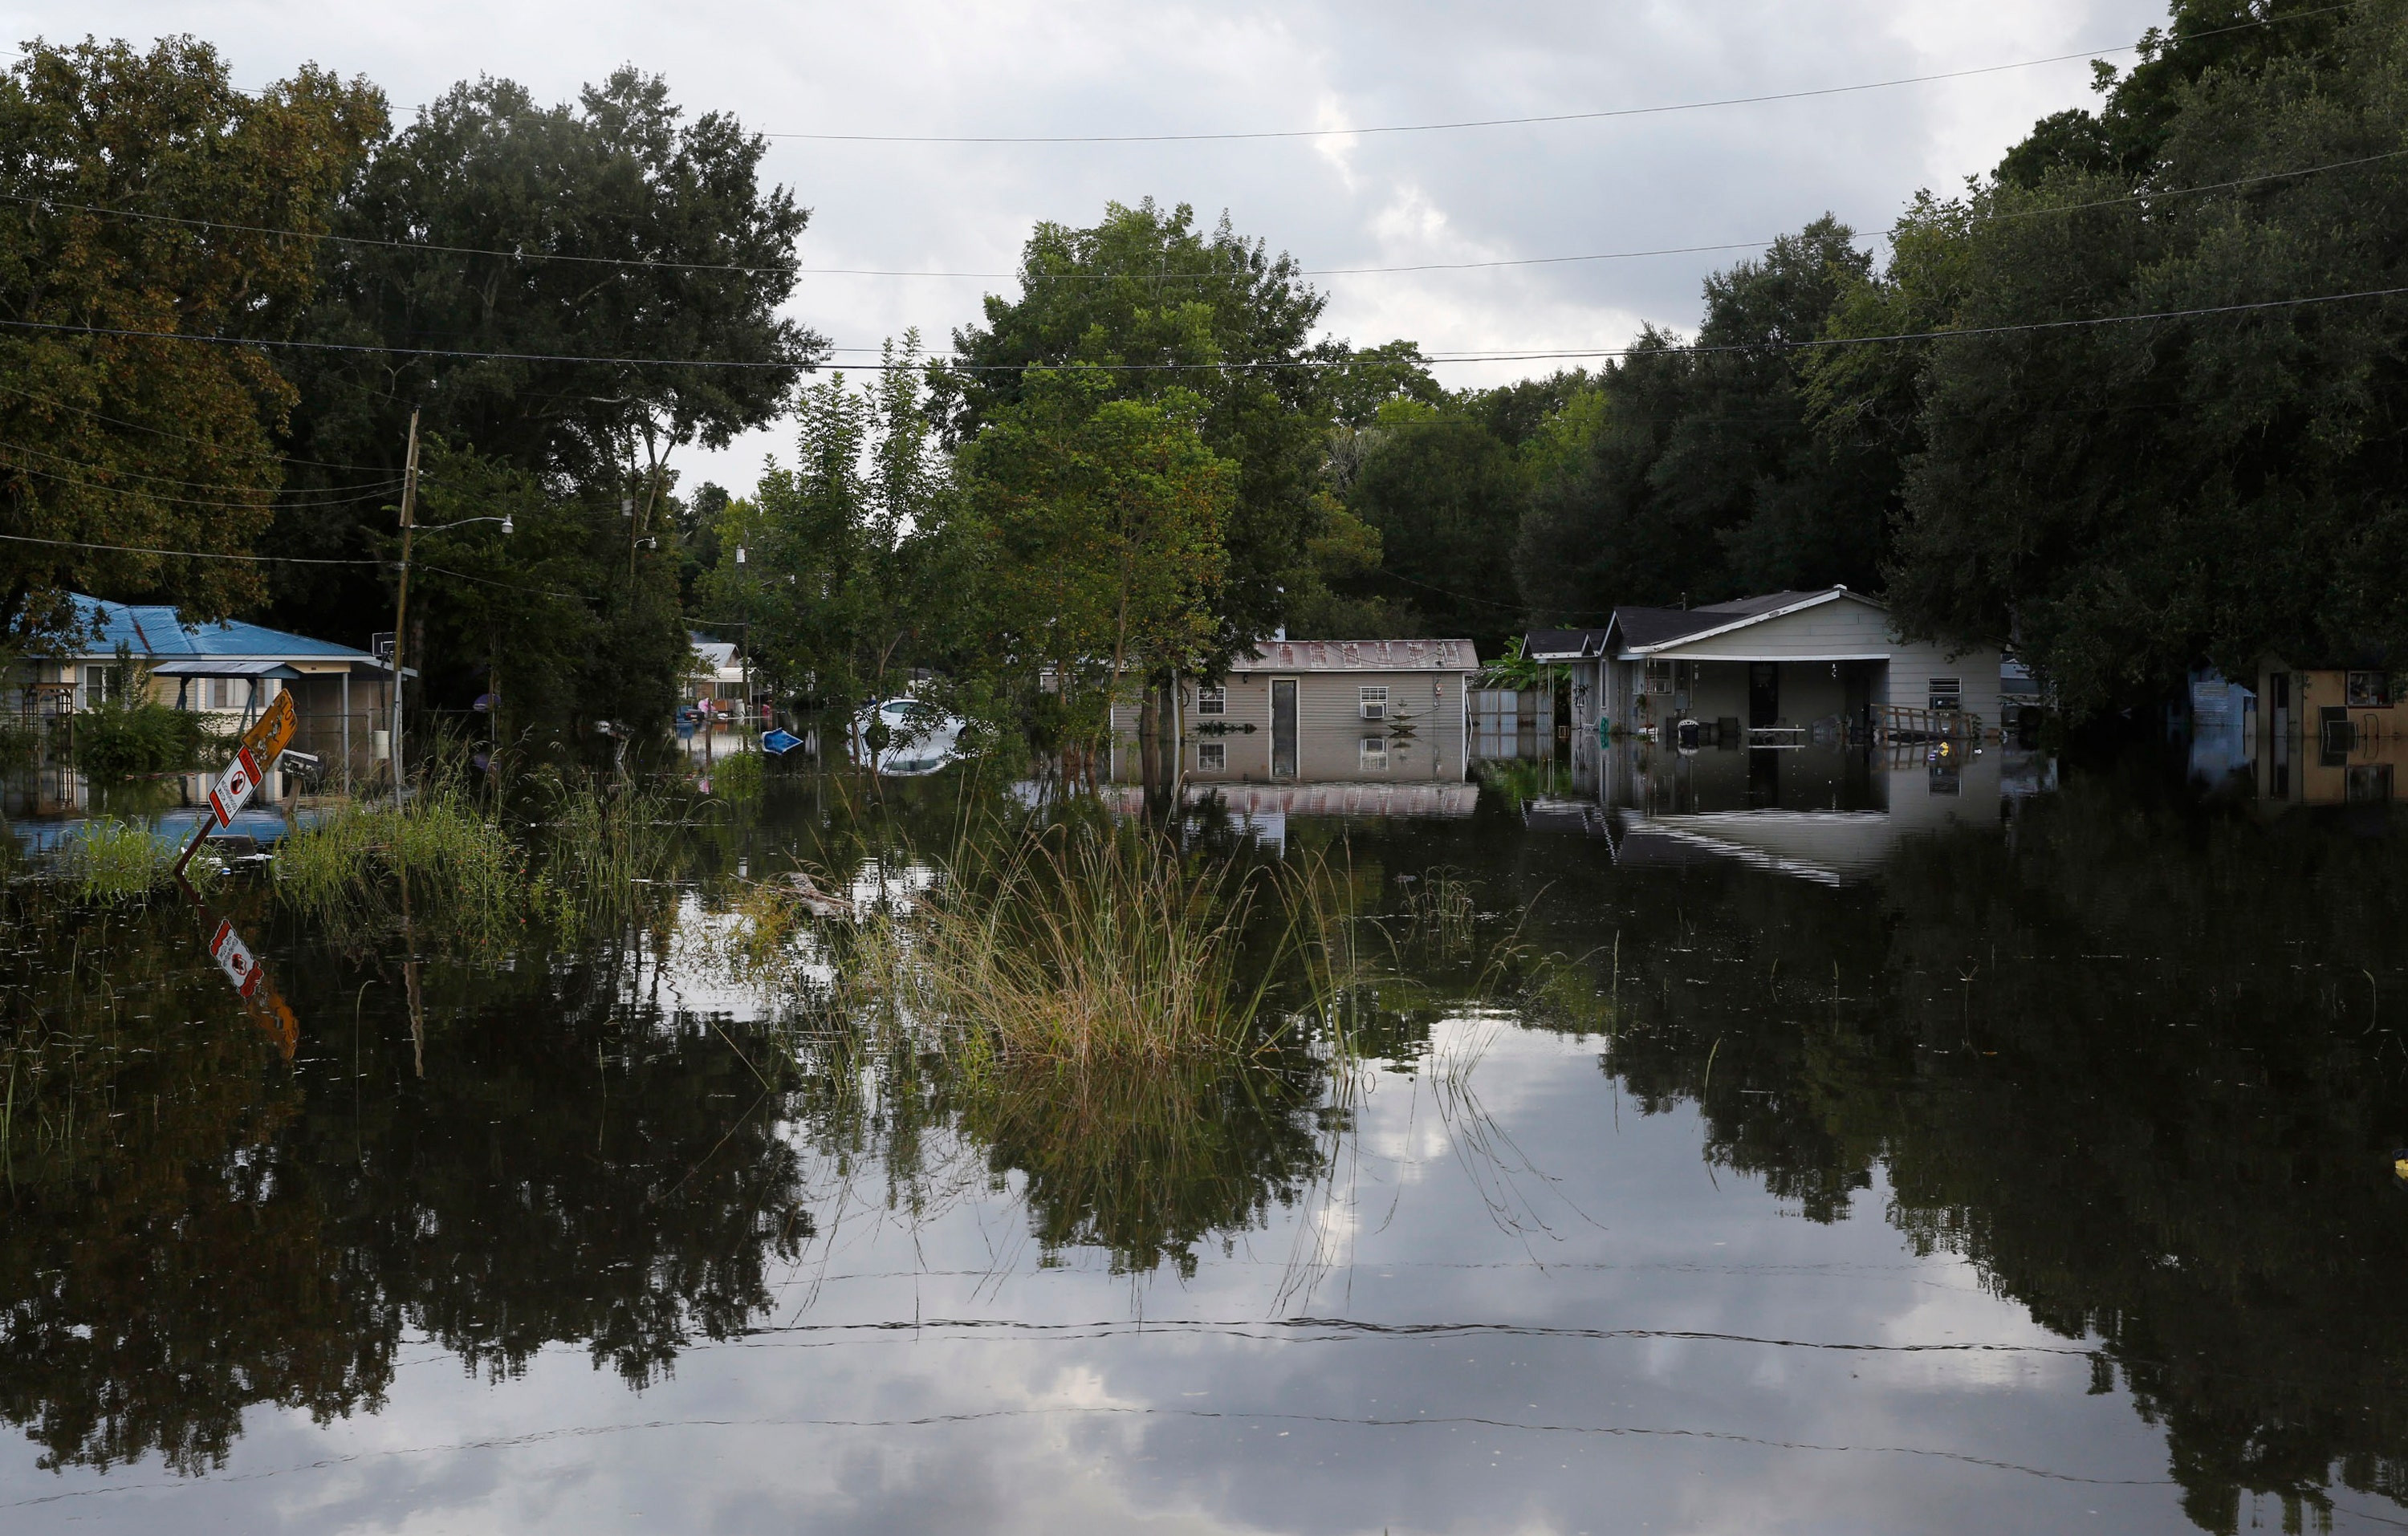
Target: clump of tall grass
point(605, 855)
point(111, 859)
point(1076, 944)
point(458, 862)
point(740, 777)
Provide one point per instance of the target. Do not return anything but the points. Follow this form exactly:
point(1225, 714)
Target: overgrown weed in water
point(112, 860)
point(604, 856)
point(1075, 944)
point(460, 863)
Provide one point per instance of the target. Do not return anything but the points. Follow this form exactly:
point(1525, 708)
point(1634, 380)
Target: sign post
point(262, 745)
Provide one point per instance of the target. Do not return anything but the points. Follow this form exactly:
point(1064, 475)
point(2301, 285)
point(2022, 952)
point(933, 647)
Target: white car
point(920, 737)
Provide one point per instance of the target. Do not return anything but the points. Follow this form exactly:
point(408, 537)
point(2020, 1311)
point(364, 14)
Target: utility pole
point(401, 601)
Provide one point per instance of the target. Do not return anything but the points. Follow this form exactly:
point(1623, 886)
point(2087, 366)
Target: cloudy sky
point(1645, 183)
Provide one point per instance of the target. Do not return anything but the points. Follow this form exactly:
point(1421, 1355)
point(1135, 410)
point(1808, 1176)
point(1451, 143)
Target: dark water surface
point(2032, 1174)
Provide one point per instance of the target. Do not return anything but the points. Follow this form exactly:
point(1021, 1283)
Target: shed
point(1323, 711)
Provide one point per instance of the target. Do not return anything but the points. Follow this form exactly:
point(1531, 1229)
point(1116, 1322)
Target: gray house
point(1321, 711)
point(1772, 670)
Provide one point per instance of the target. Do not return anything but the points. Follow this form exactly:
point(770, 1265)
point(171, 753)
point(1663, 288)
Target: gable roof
point(153, 632)
point(1560, 644)
point(1359, 657)
point(1643, 629)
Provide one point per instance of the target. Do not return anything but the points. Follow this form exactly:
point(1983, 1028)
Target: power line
point(1317, 365)
point(276, 559)
point(188, 554)
point(264, 494)
point(47, 204)
point(1534, 120)
point(164, 480)
point(1030, 277)
point(178, 437)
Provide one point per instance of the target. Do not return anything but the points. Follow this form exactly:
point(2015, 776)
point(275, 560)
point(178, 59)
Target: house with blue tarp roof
point(229, 669)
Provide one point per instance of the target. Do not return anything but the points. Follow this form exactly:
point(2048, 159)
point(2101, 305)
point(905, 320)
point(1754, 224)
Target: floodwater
point(2030, 1169)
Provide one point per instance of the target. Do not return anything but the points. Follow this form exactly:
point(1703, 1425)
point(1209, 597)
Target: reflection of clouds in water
point(1083, 1407)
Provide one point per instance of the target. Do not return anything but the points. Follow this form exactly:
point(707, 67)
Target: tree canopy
point(143, 194)
point(1152, 305)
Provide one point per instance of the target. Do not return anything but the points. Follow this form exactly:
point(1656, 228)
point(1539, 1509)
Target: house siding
point(1841, 630)
point(1423, 732)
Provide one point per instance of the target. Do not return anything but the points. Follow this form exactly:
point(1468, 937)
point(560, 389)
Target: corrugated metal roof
point(222, 666)
point(151, 630)
point(1360, 656)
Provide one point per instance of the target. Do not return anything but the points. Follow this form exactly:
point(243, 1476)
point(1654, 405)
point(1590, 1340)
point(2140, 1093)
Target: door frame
point(1271, 750)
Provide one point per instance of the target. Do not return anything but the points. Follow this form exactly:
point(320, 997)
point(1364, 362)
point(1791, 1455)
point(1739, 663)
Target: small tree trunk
point(1149, 745)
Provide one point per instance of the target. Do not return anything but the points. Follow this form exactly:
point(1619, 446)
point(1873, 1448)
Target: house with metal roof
point(228, 670)
point(1321, 711)
point(1772, 670)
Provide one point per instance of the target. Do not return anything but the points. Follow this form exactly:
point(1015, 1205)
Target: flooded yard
point(1798, 1158)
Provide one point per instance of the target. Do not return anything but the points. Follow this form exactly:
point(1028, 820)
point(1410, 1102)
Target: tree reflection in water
point(2140, 1064)
point(569, 1170)
point(2139, 1061)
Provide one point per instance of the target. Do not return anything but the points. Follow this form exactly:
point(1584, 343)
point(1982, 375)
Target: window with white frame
point(1371, 755)
point(1211, 700)
point(99, 683)
point(1212, 757)
point(1372, 699)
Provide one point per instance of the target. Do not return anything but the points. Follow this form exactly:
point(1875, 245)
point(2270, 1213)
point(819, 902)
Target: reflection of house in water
point(2328, 736)
point(1261, 810)
point(1829, 814)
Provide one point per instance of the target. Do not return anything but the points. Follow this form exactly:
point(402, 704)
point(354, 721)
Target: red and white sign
point(234, 958)
point(235, 790)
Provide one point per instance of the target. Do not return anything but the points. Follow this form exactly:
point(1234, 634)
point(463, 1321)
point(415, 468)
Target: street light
point(437, 527)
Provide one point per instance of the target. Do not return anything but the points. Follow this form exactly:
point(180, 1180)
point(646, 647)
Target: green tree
point(2133, 499)
point(571, 239)
point(1099, 523)
point(143, 193)
point(847, 574)
point(1698, 474)
point(508, 608)
point(1157, 306)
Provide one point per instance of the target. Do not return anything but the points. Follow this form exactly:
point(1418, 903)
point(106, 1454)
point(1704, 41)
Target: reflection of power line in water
point(1253, 1420)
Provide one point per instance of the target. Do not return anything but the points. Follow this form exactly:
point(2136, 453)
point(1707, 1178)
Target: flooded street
point(1801, 1159)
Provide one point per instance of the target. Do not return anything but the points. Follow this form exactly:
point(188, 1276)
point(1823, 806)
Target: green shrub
point(124, 738)
point(462, 865)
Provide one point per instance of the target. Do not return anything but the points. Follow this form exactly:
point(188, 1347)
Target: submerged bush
point(124, 738)
point(603, 855)
point(740, 777)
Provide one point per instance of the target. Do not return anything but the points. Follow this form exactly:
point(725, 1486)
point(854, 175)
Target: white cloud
point(913, 66)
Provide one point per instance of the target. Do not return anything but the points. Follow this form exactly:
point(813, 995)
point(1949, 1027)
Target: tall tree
point(847, 556)
point(1444, 493)
point(2133, 499)
point(1100, 524)
point(1156, 305)
point(1705, 479)
point(598, 284)
point(143, 194)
